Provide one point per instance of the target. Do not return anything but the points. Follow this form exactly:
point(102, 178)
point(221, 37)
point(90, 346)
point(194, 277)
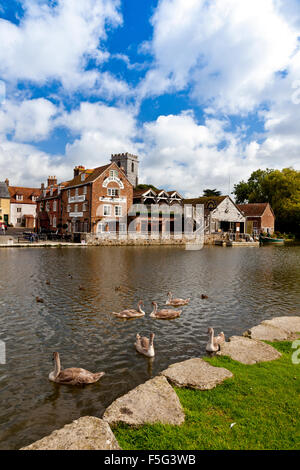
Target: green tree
point(211, 192)
point(281, 188)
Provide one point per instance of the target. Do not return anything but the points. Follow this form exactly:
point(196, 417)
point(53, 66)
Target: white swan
point(164, 314)
point(214, 343)
point(131, 313)
point(176, 302)
point(73, 375)
point(145, 346)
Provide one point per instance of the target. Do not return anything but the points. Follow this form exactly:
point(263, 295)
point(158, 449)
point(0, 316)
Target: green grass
point(262, 399)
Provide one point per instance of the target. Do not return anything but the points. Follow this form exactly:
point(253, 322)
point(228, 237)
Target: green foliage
point(281, 188)
point(146, 186)
point(211, 192)
point(262, 399)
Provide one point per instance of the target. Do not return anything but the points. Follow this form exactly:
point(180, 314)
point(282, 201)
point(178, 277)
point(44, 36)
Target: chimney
point(52, 181)
point(7, 182)
point(42, 186)
point(78, 169)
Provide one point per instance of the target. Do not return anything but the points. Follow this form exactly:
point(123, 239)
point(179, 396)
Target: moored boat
point(271, 241)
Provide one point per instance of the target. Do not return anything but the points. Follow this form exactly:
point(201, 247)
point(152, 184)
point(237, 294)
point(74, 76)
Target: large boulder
point(196, 373)
point(86, 433)
point(248, 351)
point(289, 324)
point(152, 402)
point(267, 332)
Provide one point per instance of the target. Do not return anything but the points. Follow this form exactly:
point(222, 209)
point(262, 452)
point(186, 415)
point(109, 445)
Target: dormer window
point(82, 176)
point(19, 197)
point(34, 198)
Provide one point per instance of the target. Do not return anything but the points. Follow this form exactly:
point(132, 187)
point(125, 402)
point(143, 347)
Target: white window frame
point(19, 209)
point(69, 208)
point(19, 197)
point(113, 173)
point(54, 222)
point(105, 207)
point(113, 192)
point(76, 191)
point(84, 189)
point(76, 208)
point(118, 208)
point(54, 206)
point(122, 228)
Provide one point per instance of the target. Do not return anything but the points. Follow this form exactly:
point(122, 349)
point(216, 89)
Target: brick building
point(49, 206)
point(97, 200)
point(260, 217)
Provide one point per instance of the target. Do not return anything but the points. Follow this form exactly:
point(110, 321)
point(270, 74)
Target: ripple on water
point(243, 286)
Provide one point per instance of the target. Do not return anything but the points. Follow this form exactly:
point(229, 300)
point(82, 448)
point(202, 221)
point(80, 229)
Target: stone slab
point(87, 433)
point(196, 373)
point(155, 401)
point(288, 324)
point(267, 332)
point(248, 351)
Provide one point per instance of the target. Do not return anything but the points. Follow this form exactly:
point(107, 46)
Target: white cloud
point(227, 50)
point(28, 121)
point(56, 43)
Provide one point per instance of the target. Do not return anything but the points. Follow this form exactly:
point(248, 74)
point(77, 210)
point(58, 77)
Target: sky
point(203, 91)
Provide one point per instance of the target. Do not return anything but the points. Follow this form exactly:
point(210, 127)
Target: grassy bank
point(263, 400)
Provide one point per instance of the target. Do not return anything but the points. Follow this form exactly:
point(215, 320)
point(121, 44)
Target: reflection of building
point(4, 203)
point(259, 217)
point(23, 205)
point(221, 214)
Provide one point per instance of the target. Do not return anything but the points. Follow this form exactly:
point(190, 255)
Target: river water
point(244, 286)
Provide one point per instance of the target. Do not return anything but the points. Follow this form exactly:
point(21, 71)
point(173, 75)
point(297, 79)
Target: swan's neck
point(153, 313)
point(151, 350)
point(211, 338)
point(140, 309)
point(57, 367)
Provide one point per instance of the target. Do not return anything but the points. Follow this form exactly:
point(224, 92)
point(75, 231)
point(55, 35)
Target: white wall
point(26, 209)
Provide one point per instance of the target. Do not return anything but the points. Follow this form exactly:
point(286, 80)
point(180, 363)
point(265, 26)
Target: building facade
point(23, 206)
point(260, 218)
point(4, 203)
point(49, 206)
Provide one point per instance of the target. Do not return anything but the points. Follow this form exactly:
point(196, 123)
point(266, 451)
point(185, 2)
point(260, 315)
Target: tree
point(211, 193)
point(145, 187)
point(281, 188)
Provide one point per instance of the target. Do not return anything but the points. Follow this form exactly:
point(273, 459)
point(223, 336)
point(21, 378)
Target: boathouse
point(260, 218)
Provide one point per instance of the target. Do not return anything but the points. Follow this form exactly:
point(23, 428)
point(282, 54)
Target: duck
point(145, 346)
point(203, 296)
point(214, 343)
point(48, 283)
point(73, 375)
point(164, 314)
point(81, 288)
point(131, 313)
point(176, 302)
point(39, 300)
point(70, 276)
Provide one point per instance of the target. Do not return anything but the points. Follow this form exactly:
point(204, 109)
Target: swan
point(144, 345)
point(131, 313)
point(164, 314)
point(214, 343)
point(176, 302)
point(73, 375)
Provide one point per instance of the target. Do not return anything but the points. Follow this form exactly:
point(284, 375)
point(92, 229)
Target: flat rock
point(155, 401)
point(267, 332)
point(86, 433)
point(196, 373)
point(248, 351)
point(289, 324)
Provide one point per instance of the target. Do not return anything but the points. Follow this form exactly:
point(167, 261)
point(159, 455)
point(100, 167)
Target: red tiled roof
point(253, 210)
point(27, 194)
point(90, 176)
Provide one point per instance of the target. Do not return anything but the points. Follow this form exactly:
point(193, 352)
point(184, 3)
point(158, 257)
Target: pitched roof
point(253, 210)
point(90, 176)
point(27, 194)
point(4, 193)
point(206, 201)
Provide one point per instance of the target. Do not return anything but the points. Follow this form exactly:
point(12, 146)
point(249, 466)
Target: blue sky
point(204, 92)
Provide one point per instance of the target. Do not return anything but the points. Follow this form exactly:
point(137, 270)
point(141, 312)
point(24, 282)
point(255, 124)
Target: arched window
point(119, 164)
point(132, 167)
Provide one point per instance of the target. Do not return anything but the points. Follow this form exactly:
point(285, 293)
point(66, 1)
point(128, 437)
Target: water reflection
point(244, 286)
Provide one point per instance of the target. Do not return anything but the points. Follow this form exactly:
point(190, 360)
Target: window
point(19, 221)
point(122, 228)
point(101, 228)
point(47, 206)
point(113, 174)
point(34, 198)
point(84, 207)
point(54, 222)
point(19, 197)
point(132, 167)
point(76, 207)
point(82, 176)
point(55, 206)
point(51, 190)
point(118, 211)
point(113, 192)
point(84, 189)
point(76, 192)
point(107, 210)
point(19, 209)
point(69, 208)
point(69, 192)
